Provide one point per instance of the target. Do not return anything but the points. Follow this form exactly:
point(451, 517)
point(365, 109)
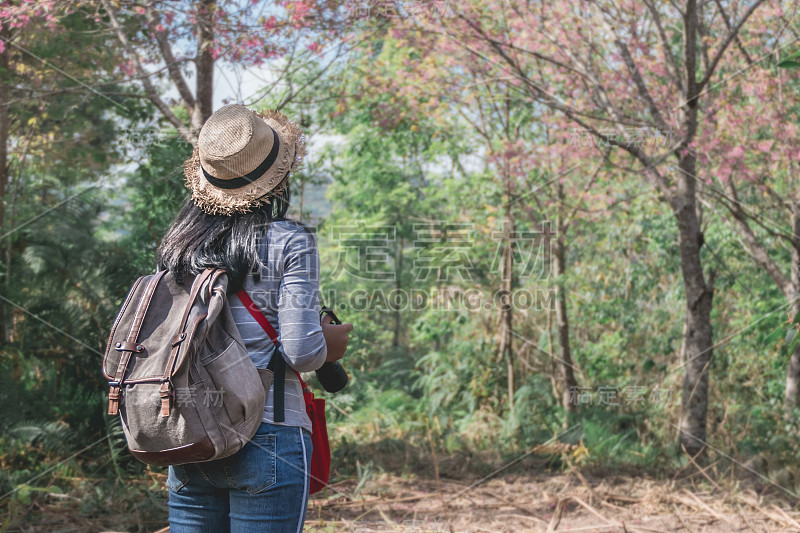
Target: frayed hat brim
point(218, 201)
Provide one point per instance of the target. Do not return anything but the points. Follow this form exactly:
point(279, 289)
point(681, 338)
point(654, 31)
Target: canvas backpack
point(180, 376)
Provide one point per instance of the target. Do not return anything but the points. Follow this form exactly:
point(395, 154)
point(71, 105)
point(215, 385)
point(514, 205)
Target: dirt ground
point(551, 503)
point(543, 502)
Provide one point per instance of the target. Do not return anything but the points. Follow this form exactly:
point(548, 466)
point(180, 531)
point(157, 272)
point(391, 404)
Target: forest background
point(564, 230)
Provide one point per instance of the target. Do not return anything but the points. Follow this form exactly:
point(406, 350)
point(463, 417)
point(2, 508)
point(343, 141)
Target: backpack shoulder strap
point(166, 392)
point(129, 345)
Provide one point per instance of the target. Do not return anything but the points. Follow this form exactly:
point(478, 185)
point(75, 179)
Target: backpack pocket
point(231, 373)
point(158, 439)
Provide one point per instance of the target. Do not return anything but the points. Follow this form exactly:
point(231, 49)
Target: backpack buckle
point(166, 394)
point(113, 397)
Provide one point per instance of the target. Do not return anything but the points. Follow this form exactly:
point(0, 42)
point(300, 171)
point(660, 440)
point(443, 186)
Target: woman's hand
point(336, 337)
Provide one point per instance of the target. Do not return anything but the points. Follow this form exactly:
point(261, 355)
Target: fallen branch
point(784, 514)
point(560, 509)
point(707, 508)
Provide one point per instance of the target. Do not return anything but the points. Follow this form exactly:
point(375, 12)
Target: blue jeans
point(261, 488)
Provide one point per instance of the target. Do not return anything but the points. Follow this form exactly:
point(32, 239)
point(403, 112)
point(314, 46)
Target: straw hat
point(242, 159)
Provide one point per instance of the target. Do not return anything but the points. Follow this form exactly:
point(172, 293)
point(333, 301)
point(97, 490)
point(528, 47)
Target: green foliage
point(152, 195)
point(790, 61)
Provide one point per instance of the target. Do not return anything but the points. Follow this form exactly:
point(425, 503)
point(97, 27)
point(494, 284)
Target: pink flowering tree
point(537, 172)
point(626, 72)
point(748, 150)
point(171, 41)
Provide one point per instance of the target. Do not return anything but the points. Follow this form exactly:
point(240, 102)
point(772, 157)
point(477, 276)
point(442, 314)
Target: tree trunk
point(793, 371)
point(698, 337)
point(698, 334)
point(566, 370)
point(5, 34)
point(204, 103)
point(506, 311)
point(398, 285)
point(300, 205)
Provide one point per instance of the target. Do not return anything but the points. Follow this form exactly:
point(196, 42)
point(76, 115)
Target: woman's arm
point(298, 304)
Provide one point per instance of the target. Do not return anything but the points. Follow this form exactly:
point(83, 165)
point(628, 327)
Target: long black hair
point(196, 240)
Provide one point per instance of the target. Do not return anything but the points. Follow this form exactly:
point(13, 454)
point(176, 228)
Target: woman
point(236, 220)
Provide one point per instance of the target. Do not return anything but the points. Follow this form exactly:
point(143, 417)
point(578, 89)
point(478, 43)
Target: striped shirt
point(288, 295)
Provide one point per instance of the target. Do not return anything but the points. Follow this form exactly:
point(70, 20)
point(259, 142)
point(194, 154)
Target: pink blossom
point(764, 146)
point(301, 9)
point(127, 68)
point(270, 23)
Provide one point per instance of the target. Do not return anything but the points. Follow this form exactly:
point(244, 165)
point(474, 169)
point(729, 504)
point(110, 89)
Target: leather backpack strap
point(129, 345)
point(276, 362)
point(165, 393)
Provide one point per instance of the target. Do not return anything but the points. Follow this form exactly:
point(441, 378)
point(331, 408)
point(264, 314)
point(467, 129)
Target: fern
point(116, 444)
point(50, 436)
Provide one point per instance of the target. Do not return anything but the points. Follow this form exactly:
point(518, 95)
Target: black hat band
point(250, 177)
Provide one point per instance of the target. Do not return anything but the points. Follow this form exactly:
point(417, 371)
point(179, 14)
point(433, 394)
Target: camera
point(332, 376)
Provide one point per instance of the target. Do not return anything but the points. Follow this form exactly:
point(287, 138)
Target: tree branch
point(730, 29)
point(756, 250)
point(567, 221)
point(731, 36)
point(633, 69)
point(154, 20)
point(669, 57)
point(150, 90)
